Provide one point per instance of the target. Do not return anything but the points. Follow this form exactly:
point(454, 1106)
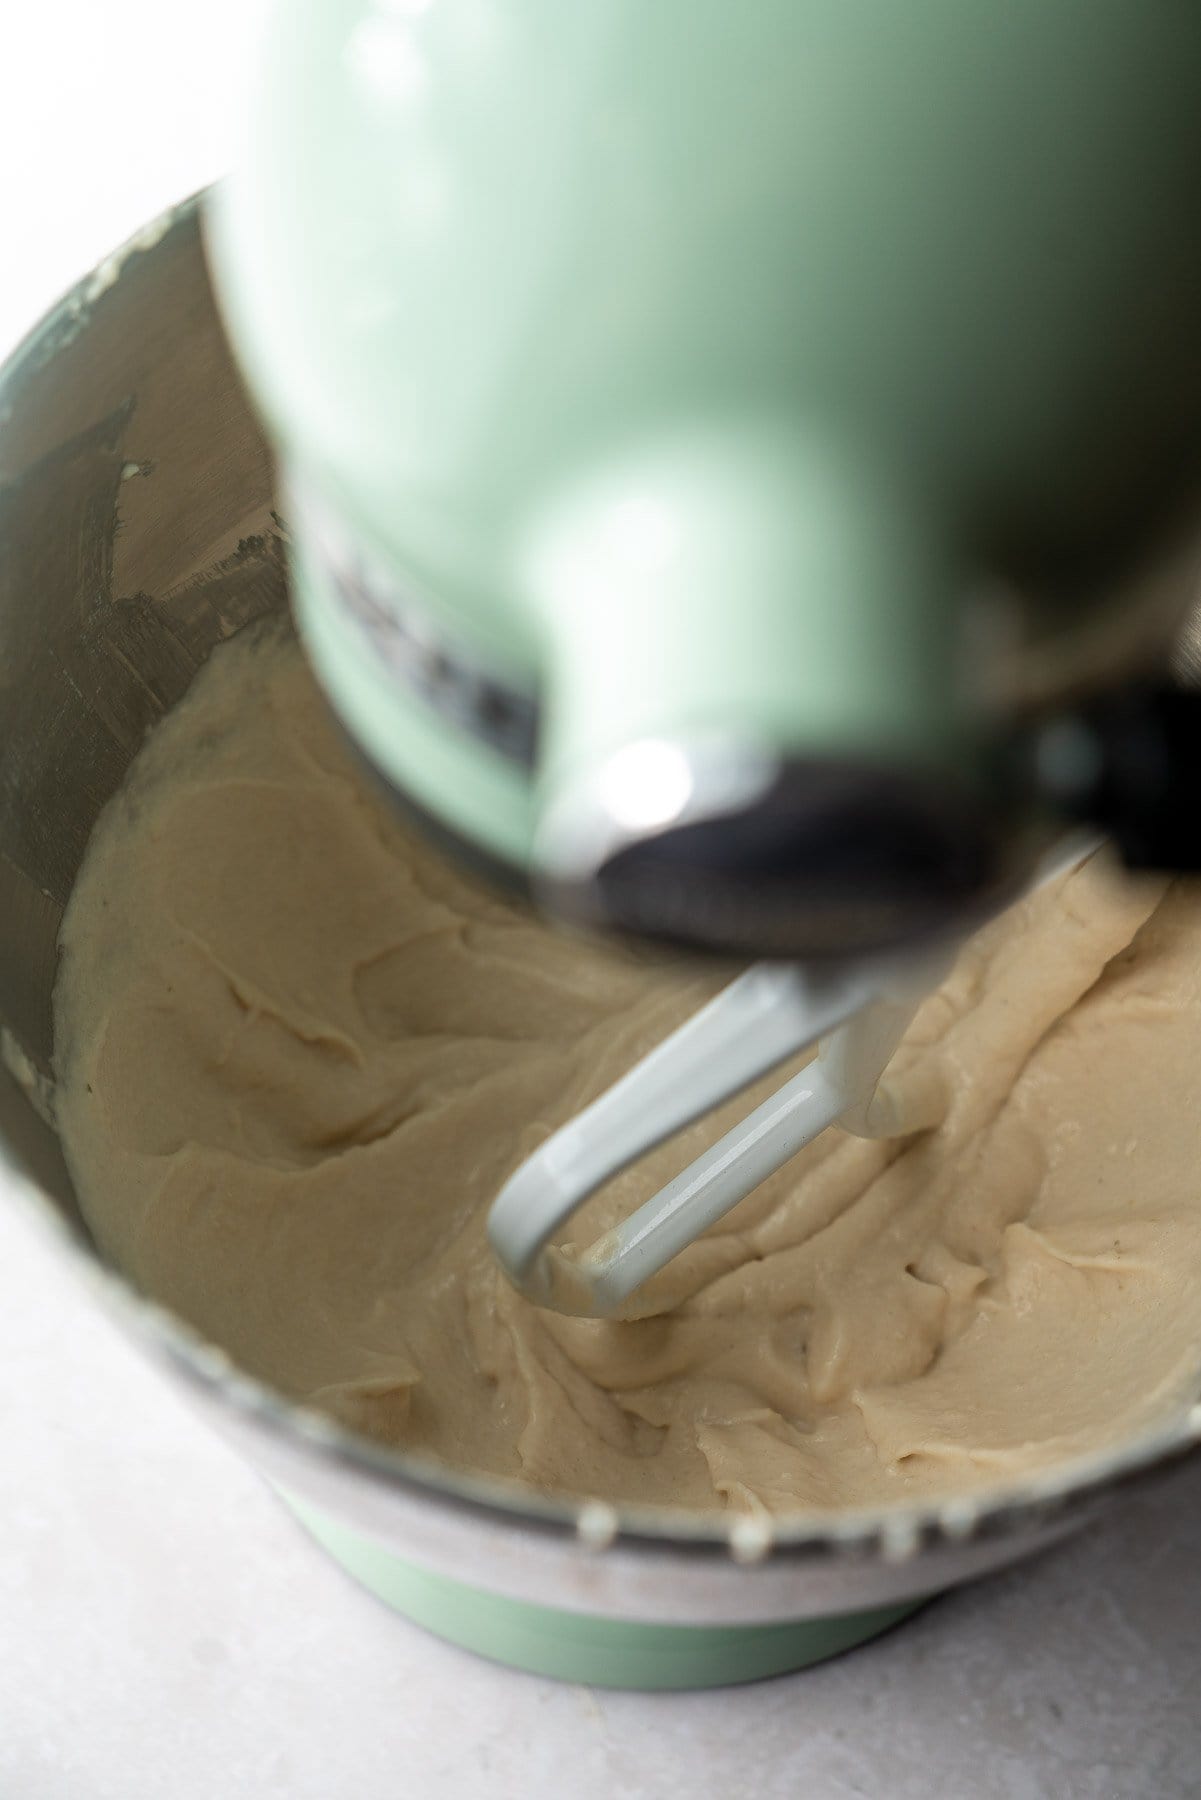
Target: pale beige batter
point(298, 1054)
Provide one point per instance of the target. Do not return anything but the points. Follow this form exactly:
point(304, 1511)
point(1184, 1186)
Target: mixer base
point(585, 1648)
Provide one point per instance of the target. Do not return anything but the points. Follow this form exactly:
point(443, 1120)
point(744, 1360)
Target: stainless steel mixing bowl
point(137, 531)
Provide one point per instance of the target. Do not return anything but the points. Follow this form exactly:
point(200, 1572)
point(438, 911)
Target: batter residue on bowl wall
point(298, 1054)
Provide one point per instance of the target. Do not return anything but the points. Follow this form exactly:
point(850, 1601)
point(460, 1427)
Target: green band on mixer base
point(579, 1647)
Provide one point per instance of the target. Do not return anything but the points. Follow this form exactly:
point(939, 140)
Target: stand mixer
point(743, 468)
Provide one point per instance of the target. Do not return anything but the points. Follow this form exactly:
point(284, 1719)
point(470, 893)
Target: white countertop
point(167, 1633)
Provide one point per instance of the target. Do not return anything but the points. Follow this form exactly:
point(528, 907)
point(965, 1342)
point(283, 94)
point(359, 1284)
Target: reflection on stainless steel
point(137, 531)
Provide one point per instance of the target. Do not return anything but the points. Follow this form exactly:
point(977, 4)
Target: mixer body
point(712, 436)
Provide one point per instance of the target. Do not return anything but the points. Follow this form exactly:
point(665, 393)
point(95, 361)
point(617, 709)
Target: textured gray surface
point(166, 1630)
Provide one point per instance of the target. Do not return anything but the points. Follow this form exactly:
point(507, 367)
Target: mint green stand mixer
point(743, 468)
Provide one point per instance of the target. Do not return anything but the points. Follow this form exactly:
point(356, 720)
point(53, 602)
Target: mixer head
point(721, 449)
